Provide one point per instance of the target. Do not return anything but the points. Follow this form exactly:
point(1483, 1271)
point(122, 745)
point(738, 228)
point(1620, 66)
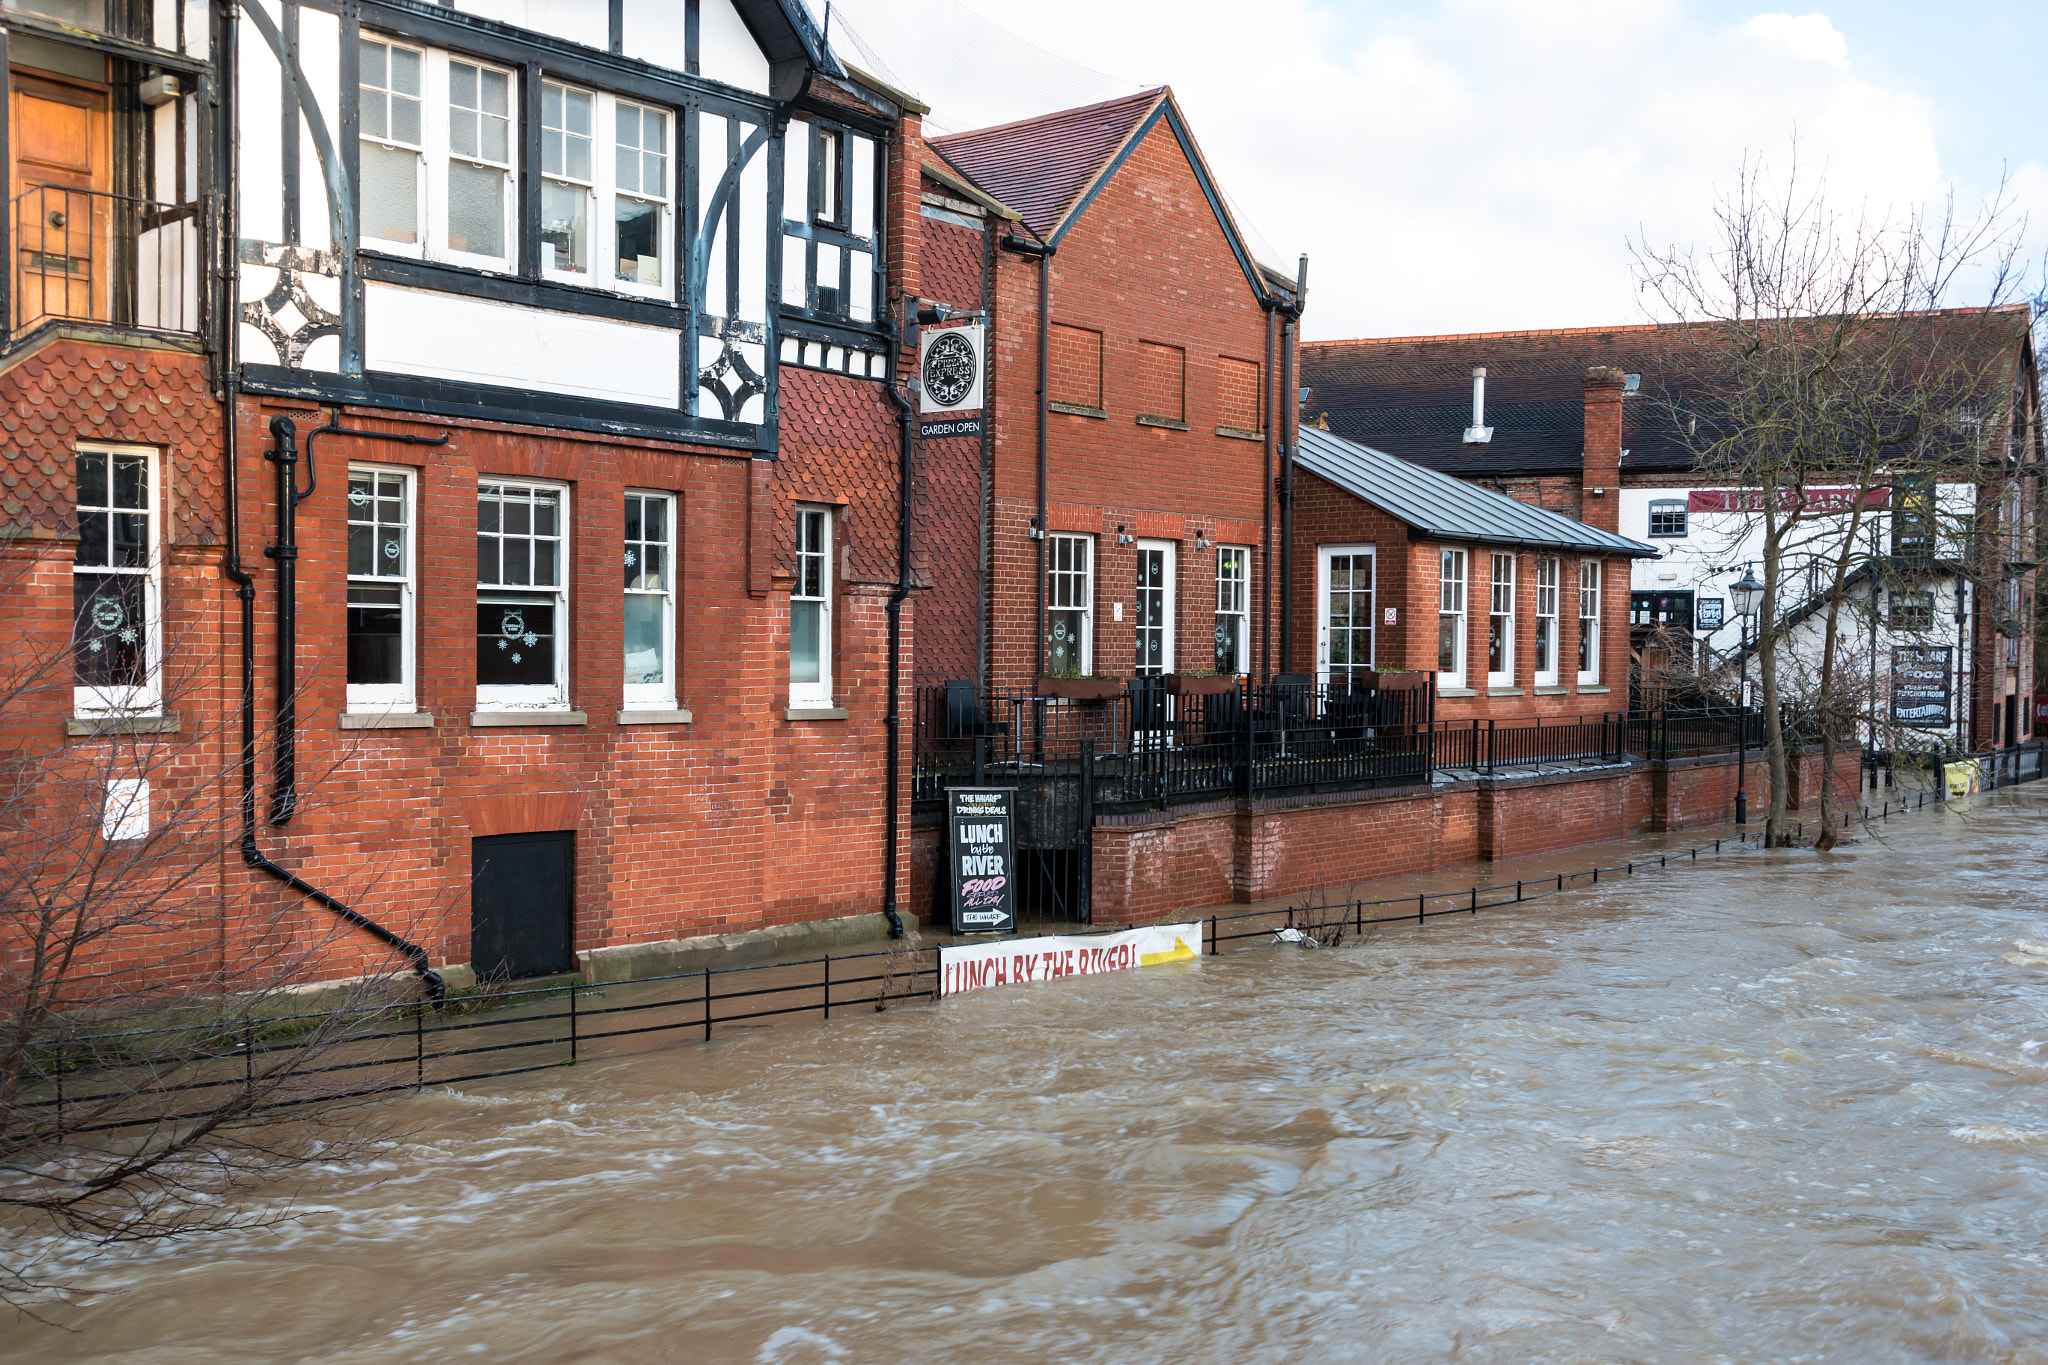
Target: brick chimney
point(1600, 460)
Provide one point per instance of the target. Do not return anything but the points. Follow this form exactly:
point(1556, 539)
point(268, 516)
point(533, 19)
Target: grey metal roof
point(1444, 508)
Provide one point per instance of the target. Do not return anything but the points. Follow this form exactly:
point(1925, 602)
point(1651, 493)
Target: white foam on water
point(1997, 1132)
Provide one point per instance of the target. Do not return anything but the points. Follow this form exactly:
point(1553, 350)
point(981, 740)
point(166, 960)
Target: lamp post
point(1748, 595)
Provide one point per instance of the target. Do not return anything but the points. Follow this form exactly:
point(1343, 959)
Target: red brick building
point(1125, 525)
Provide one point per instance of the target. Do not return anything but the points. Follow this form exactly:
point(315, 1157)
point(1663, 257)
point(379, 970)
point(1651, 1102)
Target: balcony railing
point(84, 255)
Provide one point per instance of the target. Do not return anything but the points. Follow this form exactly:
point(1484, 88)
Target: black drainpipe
point(894, 720)
point(1290, 435)
point(1269, 416)
point(284, 453)
point(231, 558)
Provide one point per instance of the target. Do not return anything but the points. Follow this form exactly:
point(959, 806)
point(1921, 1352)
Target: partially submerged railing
point(86, 255)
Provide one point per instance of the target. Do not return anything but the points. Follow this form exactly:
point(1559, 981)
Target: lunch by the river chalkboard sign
point(980, 824)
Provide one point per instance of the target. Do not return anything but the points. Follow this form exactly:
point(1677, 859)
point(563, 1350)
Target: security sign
point(950, 361)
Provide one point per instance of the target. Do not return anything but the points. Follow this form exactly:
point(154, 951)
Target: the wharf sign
point(1920, 686)
point(1019, 961)
point(980, 837)
point(1788, 499)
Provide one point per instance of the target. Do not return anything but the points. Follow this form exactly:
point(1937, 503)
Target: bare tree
point(1824, 353)
point(158, 1065)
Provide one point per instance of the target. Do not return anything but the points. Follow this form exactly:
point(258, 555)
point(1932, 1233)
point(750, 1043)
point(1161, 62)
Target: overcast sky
point(1478, 165)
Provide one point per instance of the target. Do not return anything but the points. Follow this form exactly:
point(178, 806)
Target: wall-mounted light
point(1121, 538)
point(1202, 541)
point(1037, 532)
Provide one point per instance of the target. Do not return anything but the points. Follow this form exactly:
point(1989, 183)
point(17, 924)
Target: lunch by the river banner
point(1019, 961)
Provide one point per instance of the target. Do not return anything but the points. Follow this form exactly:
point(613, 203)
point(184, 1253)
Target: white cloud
point(1479, 164)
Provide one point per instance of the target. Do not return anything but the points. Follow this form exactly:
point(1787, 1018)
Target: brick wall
point(949, 489)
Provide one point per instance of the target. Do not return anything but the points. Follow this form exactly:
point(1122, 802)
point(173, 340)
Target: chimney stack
point(1600, 458)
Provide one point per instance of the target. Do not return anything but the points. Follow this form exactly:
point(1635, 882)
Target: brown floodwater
point(1773, 1107)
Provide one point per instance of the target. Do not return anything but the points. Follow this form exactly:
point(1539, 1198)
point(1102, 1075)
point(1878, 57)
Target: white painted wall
point(445, 336)
point(320, 64)
point(580, 21)
point(654, 32)
point(726, 51)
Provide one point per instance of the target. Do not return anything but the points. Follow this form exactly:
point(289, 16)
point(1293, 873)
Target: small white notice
point(126, 813)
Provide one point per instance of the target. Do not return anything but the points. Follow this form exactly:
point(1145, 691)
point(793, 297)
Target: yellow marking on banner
point(1180, 952)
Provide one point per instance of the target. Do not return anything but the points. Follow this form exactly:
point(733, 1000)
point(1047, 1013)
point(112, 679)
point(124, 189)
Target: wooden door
point(522, 904)
point(62, 148)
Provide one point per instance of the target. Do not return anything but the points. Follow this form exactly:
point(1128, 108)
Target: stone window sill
point(1076, 410)
point(1240, 434)
point(88, 726)
point(1456, 692)
point(1168, 423)
point(1553, 691)
point(1504, 692)
point(490, 719)
point(387, 720)
point(1594, 691)
point(677, 717)
point(815, 713)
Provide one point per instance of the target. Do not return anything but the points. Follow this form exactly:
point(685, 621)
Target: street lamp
point(1748, 595)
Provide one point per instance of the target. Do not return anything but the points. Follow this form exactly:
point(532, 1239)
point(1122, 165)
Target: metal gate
point(1055, 814)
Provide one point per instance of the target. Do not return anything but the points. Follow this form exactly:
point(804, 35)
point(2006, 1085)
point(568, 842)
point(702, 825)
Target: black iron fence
point(91, 256)
point(1158, 741)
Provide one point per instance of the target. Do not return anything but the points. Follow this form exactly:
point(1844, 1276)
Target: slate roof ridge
point(1146, 97)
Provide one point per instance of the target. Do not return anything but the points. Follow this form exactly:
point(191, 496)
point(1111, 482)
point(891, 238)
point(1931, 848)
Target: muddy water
point(1775, 1108)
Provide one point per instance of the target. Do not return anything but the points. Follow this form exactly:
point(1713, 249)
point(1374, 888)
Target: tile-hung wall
point(551, 222)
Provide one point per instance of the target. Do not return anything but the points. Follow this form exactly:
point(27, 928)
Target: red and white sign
point(1017, 961)
point(1789, 499)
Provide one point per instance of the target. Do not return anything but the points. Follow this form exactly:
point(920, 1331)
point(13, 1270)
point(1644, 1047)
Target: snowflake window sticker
point(631, 559)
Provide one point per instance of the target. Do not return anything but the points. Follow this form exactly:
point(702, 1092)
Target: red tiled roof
point(1042, 166)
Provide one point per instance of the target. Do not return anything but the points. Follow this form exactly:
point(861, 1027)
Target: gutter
point(231, 557)
point(893, 721)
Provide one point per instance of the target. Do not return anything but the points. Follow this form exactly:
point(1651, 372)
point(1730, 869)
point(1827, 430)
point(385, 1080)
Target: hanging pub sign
point(980, 825)
point(1920, 686)
point(950, 367)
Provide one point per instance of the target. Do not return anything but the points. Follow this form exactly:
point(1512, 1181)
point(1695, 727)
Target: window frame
point(1236, 588)
point(378, 698)
point(436, 155)
point(1452, 606)
point(1056, 601)
point(1590, 589)
point(586, 277)
point(1668, 507)
point(1543, 641)
point(416, 248)
point(646, 696)
point(1913, 620)
point(514, 697)
point(1168, 589)
point(1500, 618)
point(610, 196)
point(830, 220)
point(146, 697)
point(813, 694)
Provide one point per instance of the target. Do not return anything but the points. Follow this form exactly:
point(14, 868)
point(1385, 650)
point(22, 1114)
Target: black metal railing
point(91, 256)
point(1169, 742)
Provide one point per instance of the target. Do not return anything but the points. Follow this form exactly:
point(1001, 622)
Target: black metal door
point(522, 892)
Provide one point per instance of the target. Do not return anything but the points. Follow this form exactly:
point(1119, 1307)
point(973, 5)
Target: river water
point(1775, 1107)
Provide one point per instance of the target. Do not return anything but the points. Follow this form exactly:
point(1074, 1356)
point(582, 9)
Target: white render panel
point(197, 34)
point(446, 336)
point(726, 51)
point(163, 19)
point(654, 32)
point(754, 230)
point(320, 64)
point(796, 170)
point(710, 170)
point(256, 347)
point(580, 21)
point(861, 219)
point(323, 355)
point(163, 161)
point(260, 170)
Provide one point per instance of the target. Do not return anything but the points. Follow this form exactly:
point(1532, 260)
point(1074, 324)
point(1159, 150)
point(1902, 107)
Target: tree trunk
point(1767, 670)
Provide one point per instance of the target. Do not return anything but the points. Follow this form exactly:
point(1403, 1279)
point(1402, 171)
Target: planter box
point(1183, 685)
point(1079, 689)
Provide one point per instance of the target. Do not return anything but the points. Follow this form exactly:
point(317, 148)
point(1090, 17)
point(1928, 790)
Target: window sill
point(88, 726)
point(492, 719)
point(1505, 692)
point(1456, 692)
point(1167, 423)
point(678, 717)
point(1076, 410)
point(815, 713)
point(1553, 690)
point(1240, 434)
point(387, 720)
point(1586, 690)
